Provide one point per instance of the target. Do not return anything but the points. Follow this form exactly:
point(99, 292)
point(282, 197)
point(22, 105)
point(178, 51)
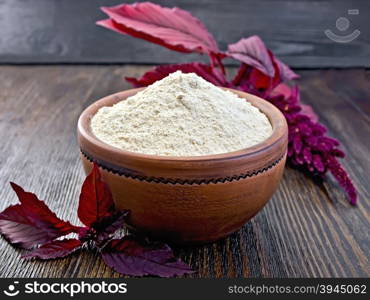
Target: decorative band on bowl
point(130, 174)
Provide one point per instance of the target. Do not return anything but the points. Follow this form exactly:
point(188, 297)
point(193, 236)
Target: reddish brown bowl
point(188, 199)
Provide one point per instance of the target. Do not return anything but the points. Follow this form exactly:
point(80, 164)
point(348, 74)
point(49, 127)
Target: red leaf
point(31, 223)
point(210, 74)
point(54, 249)
point(263, 82)
point(96, 200)
point(138, 258)
point(173, 28)
point(286, 73)
point(253, 52)
point(253, 81)
point(109, 225)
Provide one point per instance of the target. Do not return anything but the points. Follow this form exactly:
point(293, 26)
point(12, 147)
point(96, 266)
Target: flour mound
point(181, 115)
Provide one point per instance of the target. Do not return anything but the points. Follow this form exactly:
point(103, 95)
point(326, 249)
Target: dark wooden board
point(306, 230)
point(64, 31)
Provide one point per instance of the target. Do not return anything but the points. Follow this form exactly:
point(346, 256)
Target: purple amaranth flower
point(309, 148)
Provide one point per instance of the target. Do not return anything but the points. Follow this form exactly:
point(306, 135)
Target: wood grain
point(54, 31)
point(306, 230)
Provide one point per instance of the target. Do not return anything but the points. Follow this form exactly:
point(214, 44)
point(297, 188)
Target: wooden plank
point(305, 230)
point(52, 31)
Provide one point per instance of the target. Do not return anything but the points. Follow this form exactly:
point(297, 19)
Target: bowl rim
point(276, 119)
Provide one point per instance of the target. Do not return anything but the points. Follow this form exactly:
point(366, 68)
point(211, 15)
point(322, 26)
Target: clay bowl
point(188, 199)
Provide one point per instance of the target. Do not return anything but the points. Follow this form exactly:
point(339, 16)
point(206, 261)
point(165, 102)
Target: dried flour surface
point(181, 115)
